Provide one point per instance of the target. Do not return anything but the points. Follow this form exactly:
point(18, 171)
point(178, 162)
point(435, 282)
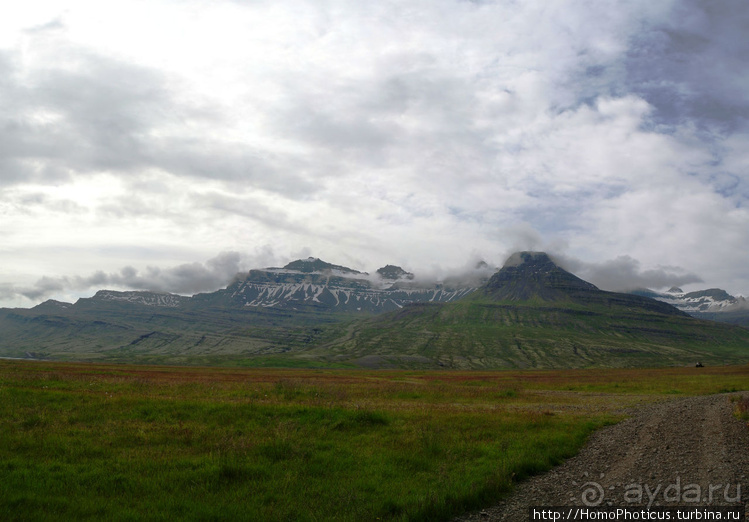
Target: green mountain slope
point(530, 314)
point(124, 331)
point(533, 314)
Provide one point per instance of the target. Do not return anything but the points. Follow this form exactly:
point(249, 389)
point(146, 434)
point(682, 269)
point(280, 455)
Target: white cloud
point(156, 134)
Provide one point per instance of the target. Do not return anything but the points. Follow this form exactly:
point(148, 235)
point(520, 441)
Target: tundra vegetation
point(123, 442)
point(741, 408)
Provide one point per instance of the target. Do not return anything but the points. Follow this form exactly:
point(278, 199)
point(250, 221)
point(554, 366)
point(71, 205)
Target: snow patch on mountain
point(142, 298)
point(313, 282)
point(711, 300)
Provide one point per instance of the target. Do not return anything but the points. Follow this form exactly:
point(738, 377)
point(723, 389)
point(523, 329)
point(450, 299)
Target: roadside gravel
point(685, 452)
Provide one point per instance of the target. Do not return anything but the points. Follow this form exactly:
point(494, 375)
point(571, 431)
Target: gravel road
point(686, 452)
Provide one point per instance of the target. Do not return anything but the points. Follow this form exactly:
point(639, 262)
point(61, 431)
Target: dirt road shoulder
point(691, 452)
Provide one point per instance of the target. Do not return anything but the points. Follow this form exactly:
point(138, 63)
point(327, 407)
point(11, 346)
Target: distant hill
point(534, 277)
point(147, 327)
point(529, 314)
point(269, 312)
point(713, 304)
point(534, 314)
point(702, 301)
point(314, 285)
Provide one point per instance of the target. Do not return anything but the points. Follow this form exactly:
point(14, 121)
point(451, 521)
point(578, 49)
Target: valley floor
point(126, 442)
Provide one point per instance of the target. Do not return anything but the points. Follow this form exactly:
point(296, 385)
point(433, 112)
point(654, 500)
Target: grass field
point(116, 442)
point(476, 334)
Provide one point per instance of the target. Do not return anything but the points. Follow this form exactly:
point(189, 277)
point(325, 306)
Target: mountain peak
point(393, 272)
point(528, 257)
point(717, 294)
point(314, 264)
point(528, 275)
point(51, 305)
point(142, 297)
point(535, 276)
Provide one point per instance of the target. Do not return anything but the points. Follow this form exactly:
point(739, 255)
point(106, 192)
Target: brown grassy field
point(154, 442)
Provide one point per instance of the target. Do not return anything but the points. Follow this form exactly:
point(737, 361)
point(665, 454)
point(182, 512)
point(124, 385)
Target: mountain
point(534, 314)
point(156, 299)
point(314, 265)
point(51, 306)
point(710, 300)
point(268, 312)
point(529, 314)
point(394, 273)
point(533, 275)
point(147, 327)
point(312, 284)
point(713, 304)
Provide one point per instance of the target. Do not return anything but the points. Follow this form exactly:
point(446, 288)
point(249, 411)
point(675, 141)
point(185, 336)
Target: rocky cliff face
point(155, 299)
point(530, 314)
point(318, 285)
point(714, 302)
point(529, 276)
point(305, 284)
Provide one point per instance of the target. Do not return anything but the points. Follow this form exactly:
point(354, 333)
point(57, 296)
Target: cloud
point(91, 116)
point(95, 114)
point(216, 273)
point(186, 279)
point(692, 65)
point(624, 273)
point(372, 133)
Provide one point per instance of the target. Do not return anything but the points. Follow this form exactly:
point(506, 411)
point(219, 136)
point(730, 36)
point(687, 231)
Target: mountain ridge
point(303, 283)
point(534, 314)
point(321, 286)
point(713, 300)
point(528, 275)
point(529, 314)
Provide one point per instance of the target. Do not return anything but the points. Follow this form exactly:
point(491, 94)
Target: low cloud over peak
point(624, 274)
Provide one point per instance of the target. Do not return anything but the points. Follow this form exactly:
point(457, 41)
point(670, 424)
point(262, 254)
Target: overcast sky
point(169, 144)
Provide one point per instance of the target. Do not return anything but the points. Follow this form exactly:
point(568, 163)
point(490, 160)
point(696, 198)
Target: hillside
point(268, 313)
point(534, 314)
point(529, 314)
point(143, 327)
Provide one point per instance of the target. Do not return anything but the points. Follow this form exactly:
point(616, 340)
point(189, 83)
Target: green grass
point(476, 334)
point(84, 441)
